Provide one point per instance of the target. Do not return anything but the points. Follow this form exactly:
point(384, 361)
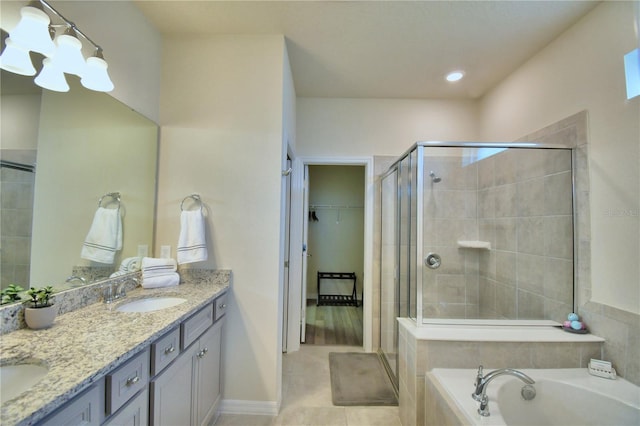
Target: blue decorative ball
point(576, 325)
point(572, 317)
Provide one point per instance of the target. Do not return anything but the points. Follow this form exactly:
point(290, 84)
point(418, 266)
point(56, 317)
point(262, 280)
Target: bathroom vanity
point(111, 367)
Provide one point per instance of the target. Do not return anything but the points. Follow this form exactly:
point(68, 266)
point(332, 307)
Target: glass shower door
point(389, 291)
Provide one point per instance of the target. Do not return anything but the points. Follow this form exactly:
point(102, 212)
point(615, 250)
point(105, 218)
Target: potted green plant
point(40, 312)
point(11, 294)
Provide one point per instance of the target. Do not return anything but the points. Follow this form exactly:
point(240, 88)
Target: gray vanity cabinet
point(174, 381)
point(206, 374)
point(171, 392)
point(188, 391)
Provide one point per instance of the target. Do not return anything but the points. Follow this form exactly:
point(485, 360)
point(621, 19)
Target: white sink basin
point(150, 304)
point(19, 378)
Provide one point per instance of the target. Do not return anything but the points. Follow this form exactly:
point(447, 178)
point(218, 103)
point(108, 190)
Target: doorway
point(335, 255)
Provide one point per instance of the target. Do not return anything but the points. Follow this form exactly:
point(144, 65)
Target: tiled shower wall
point(518, 200)
point(525, 211)
point(16, 211)
point(450, 214)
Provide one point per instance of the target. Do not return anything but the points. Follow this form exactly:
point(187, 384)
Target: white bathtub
point(567, 397)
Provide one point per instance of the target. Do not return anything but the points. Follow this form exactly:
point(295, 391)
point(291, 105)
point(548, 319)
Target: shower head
point(434, 178)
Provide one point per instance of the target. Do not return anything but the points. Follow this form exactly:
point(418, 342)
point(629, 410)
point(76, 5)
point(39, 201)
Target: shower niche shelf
point(482, 245)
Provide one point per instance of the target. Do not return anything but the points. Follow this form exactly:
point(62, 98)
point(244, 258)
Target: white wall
point(583, 70)
point(221, 137)
point(329, 127)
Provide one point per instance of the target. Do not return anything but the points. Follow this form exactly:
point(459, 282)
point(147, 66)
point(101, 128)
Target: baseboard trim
point(241, 406)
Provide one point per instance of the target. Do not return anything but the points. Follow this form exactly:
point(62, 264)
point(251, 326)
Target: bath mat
point(359, 379)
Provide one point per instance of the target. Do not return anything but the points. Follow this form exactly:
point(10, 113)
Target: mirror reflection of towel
point(192, 244)
point(104, 238)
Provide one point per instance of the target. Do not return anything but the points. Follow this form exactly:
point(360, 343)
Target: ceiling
point(384, 49)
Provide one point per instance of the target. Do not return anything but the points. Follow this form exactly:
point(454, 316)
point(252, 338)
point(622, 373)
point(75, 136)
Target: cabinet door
point(171, 392)
point(207, 361)
point(135, 413)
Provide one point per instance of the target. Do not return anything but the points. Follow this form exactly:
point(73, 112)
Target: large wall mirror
point(61, 152)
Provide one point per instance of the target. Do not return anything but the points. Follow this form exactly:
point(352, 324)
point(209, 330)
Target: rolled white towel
point(131, 264)
point(152, 266)
point(164, 280)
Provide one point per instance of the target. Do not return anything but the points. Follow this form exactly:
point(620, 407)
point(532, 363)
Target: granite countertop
point(83, 345)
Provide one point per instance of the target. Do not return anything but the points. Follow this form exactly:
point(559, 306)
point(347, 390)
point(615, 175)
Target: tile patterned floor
point(306, 397)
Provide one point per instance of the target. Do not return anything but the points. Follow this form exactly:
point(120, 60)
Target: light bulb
point(51, 77)
point(32, 32)
point(68, 55)
point(455, 76)
point(16, 59)
point(96, 76)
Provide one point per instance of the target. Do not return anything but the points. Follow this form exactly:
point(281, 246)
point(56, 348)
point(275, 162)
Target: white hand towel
point(192, 243)
point(105, 236)
point(164, 280)
point(152, 266)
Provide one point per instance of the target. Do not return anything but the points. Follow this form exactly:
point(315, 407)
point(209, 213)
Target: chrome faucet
point(481, 383)
point(119, 292)
point(76, 278)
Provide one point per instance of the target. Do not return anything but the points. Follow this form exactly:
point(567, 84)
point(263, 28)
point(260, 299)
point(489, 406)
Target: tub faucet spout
point(481, 383)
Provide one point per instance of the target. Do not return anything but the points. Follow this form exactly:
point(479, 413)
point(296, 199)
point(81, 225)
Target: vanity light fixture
point(455, 76)
point(34, 33)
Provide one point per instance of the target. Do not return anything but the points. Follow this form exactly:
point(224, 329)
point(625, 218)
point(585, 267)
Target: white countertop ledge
point(494, 333)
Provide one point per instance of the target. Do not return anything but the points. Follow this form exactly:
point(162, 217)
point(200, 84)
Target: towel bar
point(195, 197)
point(113, 195)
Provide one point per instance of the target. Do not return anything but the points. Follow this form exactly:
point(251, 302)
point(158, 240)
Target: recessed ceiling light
point(455, 76)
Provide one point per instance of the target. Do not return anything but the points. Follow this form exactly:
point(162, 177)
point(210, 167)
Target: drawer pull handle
point(222, 305)
point(132, 381)
point(169, 350)
point(203, 352)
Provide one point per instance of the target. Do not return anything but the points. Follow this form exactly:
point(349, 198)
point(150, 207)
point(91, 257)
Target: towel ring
point(195, 197)
point(114, 195)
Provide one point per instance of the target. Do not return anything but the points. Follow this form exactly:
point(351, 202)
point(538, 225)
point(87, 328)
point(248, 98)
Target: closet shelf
point(483, 245)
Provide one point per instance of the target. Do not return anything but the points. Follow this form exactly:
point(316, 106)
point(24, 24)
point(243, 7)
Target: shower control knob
point(432, 261)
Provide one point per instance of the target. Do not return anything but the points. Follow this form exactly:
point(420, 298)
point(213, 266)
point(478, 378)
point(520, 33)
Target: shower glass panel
point(485, 232)
point(389, 290)
point(407, 281)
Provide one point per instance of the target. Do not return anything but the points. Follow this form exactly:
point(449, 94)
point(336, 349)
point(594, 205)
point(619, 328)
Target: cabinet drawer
point(220, 306)
point(196, 325)
point(126, 381)
point(165, 350)
point(82, 410)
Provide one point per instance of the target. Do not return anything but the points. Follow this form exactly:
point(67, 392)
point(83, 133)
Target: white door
point(305, 254)
point(287, 245)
